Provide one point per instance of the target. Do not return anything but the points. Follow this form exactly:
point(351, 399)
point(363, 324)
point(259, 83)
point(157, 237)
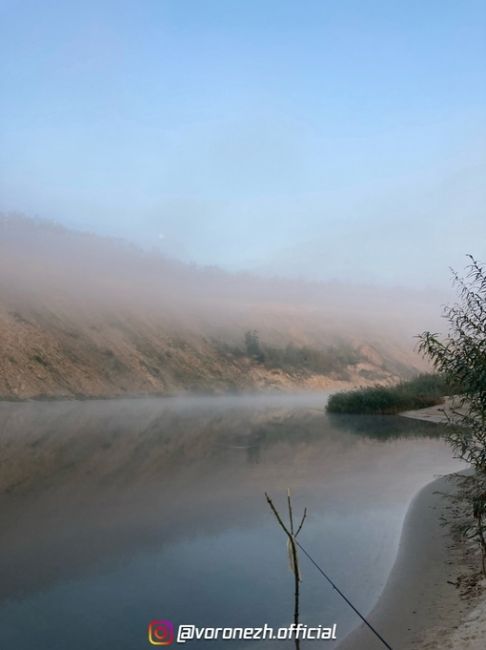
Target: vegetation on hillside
point(420, 392)
point(326, 360)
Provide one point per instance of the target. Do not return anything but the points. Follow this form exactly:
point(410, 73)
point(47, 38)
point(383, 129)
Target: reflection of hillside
point(44, 445)
point(128, 442)
point(95, 482)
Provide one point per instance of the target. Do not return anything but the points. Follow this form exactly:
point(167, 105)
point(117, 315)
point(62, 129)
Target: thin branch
point(270, 503)
point(302, 522)
point(291, 518)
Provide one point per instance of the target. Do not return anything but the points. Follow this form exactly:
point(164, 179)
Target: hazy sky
point(326, 139)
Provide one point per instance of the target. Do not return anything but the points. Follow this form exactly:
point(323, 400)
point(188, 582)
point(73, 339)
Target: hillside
point(87, 316)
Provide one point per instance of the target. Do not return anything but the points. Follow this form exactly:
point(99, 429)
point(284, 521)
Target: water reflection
point(384, 427)
point(114, 513)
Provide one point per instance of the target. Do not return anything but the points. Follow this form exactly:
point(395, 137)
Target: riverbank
point(433, 597)
point(440, 413)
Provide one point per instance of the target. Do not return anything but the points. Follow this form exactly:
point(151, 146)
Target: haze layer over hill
point(82, 315)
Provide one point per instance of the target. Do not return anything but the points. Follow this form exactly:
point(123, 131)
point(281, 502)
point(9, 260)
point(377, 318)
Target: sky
point(330, 139)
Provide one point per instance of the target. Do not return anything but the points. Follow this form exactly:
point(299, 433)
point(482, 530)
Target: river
point(116, 513)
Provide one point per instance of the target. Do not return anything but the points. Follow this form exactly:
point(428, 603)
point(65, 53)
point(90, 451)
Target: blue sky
point(331, 139)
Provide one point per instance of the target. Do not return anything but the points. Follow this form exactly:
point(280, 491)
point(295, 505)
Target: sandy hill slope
point(82, 315)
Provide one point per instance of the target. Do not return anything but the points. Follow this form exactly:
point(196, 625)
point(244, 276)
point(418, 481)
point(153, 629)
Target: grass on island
point(420, 392)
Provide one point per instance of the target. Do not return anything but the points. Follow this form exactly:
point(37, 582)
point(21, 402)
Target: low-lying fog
point(44, 266)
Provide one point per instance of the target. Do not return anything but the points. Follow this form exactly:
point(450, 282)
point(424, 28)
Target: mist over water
point(116, 513)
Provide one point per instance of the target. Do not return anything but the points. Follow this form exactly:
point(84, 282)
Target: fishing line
point(323, 573)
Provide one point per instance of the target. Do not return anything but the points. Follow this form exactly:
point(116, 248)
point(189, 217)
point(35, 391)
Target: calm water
point(114, 513)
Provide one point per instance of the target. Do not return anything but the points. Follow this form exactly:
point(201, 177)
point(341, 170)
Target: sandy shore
point(433, 598)
point(439, 414)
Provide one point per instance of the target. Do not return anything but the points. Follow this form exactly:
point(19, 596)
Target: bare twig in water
point(294, 559)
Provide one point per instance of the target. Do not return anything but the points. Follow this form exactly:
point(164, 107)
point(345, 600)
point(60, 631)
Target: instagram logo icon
point(161, 632)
